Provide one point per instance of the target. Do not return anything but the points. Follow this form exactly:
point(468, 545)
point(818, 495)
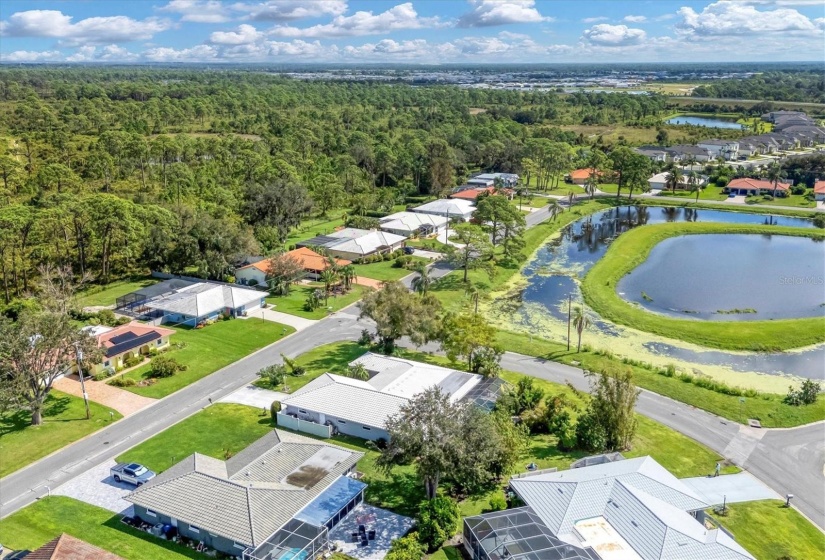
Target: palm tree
point(581, 322)
point(571, 198)
point(674, 174)
point(774, 175)
point(423, 282)
point(521, 191)
point(349, 276)
point(693, 182)
point(328, 277)
point(554, 206)
point(357, 371)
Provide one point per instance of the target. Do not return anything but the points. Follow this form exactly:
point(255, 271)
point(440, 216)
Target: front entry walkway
point(730, 488)
point(254, 396)
point(121, 400)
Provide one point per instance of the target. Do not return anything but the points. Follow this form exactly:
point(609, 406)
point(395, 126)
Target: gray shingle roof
point(640, 499)
point(251, 496)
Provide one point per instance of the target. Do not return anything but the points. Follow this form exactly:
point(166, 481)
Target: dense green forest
point(802, 86)
point(119, 170)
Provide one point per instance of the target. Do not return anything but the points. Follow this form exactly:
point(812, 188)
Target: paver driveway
point(121, 400)
point(96, 487)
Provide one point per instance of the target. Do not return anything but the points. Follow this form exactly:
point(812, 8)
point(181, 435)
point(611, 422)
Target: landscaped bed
point(64, 422)
point(332, 358)
point(633, 247)
point(204, 351)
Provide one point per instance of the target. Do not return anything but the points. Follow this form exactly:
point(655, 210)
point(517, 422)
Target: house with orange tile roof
point(746, 186)
point(66, 547)
point(819, 190)
point(473, 193)
point(313, 264)
point(130, 340)
point(579, 176)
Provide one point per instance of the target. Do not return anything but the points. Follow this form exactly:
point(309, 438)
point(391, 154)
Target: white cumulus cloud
point(32, 56)
point(288, 10)
point(198, 11)
point(614, 35)
point(595, 19)
point(402, 16)
point(737, 18)
point(488, 13)
point(95, 30)
point(199, 53)
point(244, 35)
point(635, 19)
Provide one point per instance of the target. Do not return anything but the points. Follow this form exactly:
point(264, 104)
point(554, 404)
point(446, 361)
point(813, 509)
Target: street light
point(79, 354)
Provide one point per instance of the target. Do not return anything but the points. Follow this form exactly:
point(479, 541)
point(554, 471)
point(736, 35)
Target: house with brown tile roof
point(66, 547)
point(312, 262)
point(746, 186)
point(819, 190)
point(580, 176)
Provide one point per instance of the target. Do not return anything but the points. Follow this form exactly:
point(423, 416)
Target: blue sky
point(418, 31)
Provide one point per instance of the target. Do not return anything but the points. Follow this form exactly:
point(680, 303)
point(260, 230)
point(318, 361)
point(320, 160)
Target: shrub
point(819, 221)
point(406, 548)
point(590, 435)
point(498, 502)
point(123, 382)
point(381, 443)
point(132, 360)
point(799, 189)
point(100, 376)
point(807, 393)
point(366, 338)
point(437, 521)
point(274, 374)
point(164, 366)
point(274, 409)
point(252, 282)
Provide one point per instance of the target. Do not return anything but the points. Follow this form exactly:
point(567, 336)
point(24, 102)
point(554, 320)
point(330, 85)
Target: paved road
point(24, 486)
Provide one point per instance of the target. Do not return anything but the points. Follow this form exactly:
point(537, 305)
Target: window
point(160, 341)
point(238, 546)
point(106, 363)
point(194, 529)
point(302, 411)
point(151, 513)
point(342, 421)
point(366, 428)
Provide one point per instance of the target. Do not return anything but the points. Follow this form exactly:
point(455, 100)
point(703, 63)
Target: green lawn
point(37, 524)
point(332, 358)
point(209, 349)
point(428, 245)
point(711, 192)
point(64, 422)
point(770, 531)
point(792, 200)
point(768, 408)
point(632, 248)
point(218, 431)
point(108, 294)
point(316, 226)
point(294, 302)
point(384, 270)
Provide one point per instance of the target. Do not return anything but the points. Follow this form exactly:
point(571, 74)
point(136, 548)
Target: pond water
point(726, 277)
point(711, 122)
point(551, 278)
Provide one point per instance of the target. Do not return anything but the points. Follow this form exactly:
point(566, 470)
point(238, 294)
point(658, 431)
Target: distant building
point(659, 182)
point(685, 152)
point(653, 153)
point(580, 176)
point(745, 186)
point(354, 244)
point(313, 264)
point(819, 190)
point(624, 510)
point(473, 193)
point(413, 224)
point(490, 179)
point(450, 208)
point(200, 302)
point(728, 149)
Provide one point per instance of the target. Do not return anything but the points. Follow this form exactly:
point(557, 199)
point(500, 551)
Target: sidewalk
point(125, 402)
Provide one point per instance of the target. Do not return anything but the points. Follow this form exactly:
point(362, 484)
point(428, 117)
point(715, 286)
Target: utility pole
point(569, 310)
point(79, 354)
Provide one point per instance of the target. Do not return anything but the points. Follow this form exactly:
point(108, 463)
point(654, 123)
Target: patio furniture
point(365, 542)
point(371, 534)
point(355, 536)
point(362, 529)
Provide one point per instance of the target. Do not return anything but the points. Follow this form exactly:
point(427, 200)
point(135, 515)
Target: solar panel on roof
point(118, 339)
point(131, 343)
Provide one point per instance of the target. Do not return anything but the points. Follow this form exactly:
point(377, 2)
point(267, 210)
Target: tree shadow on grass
point(335, 360)
point(400, 492)
point(21, 419)
point(115, 523)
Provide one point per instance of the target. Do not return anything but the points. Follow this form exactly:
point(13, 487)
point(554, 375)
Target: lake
point(553, 273)
point(710, 122)
point(730, 277)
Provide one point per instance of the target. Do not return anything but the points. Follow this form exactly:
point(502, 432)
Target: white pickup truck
point(132, 473)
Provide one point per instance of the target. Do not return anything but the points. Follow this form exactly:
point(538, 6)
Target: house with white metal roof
point(625, 510)
point(203, 301)
point(354, 244)
point(448, 207)
point(361, 408)
point(278, 498)
point(413, 224)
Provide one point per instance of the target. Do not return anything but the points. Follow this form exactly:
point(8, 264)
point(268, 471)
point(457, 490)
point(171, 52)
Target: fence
point(305, 426)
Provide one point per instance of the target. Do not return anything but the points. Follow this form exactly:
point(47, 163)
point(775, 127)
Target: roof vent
point(247, 473)
point(633, 522)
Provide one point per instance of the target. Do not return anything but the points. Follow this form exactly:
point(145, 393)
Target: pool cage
point(485, 393)
point(295, 541)
point(517, 534)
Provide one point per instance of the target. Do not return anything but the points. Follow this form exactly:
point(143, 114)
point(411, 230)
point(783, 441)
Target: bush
point(437, 521)
point(807, 393)
point(123, 382)
point(274, 409)
point(498, 502)
point(819, 221)
point(406, 548)
point(100, 376)
point(366, 338)
point(799, 189)
point(132, 360)
point(590, 435)
point(274, 374)
point(164, 366)
point(252, 282)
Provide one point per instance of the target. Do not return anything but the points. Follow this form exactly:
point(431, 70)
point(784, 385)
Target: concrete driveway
point(254, 396)
point(731, 488)
point(96, 487)
point(297, 323)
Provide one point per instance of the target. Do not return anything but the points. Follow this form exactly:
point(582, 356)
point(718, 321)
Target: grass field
point(332, 358)
point(710, 192)
point(428, 245)
point(770, 531)
point(384, 270)
point(37, 524)
point(108, 294)
point(792, 200)
point(632, 248)
point(218, 431)
point(316, 226)
point(294, 302)
point(64, 422)
point(207, 350)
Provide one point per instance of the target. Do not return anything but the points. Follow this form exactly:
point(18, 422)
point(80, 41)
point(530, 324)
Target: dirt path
point(123, 401)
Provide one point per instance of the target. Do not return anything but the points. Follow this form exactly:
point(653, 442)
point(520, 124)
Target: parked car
point(132, 473)
point(409, 250)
